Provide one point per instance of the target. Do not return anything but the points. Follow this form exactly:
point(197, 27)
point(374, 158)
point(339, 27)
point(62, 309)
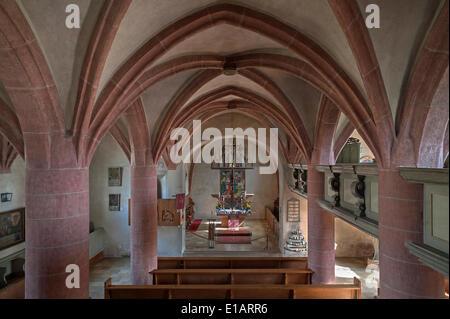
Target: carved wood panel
point(167, 213)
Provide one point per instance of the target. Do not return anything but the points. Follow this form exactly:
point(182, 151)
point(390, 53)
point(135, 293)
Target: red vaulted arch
point(326, 125)
point(216, 109)
point(250, 104)
point(423, 118)
point(109, 104)
point(296, 124)
point(10, 128)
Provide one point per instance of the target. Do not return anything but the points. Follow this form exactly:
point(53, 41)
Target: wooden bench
point(232, 262)
point(231, 276)
point(344, 291)
point(14, 290)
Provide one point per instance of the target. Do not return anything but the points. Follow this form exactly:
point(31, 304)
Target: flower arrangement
point(236, 205)
point(219, 205)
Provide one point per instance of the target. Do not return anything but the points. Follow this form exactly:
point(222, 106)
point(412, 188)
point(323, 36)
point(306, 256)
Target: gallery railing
point(434, 251)
point(298, 183)
point(351, 193)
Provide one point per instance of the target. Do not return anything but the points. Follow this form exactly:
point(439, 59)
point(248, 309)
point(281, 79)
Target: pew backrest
point(231, 276)
point(232, 263)
point(344, 291)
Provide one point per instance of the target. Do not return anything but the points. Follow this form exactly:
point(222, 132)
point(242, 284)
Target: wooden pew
point(231, 276)
point(232, 262)
point(14, 290)
point(343, 291)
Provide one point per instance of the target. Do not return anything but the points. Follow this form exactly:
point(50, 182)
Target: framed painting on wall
point(114, 202)
point(115, 176)
point(12, 228)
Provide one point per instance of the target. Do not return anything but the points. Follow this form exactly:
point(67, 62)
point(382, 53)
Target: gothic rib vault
point(138, 69)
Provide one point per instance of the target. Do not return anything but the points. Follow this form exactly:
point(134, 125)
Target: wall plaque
point(293, 210)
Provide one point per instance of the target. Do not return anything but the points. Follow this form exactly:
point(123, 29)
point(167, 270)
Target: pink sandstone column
point(401, 221)
point(57, 231)
point(144, 223)
point(320, 231)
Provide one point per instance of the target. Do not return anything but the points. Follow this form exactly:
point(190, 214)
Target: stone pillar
point(57, 231)
point(401, 221)
point(144, 224)
point(320, 231)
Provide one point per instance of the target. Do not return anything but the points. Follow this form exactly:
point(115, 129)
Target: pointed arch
point(10, 128)
point(139, 135)
point(171, 166)
point(352, 22)
point(106, 28)
point(284, 101)
point(32, 91)
point(7, 155)
point(123, 81)
point(424, 115)
point(291, 115)
point(342, 139)
point(122, 140)
point(208, 115)
point(206, 103)
point(291, 65)
point(327, 120)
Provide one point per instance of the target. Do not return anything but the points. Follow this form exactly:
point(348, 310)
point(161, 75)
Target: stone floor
point(118, 269)
point(348, 268)
point(198, 241)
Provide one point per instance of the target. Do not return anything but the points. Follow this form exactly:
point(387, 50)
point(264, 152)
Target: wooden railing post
point(108, 283)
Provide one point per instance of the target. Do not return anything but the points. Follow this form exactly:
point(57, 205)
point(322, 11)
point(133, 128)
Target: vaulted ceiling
point(396, 48)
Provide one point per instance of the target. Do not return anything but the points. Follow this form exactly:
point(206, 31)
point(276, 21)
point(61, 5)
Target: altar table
point(232, 218)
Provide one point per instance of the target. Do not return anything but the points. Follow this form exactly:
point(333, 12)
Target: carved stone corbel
point(303, 184)
point(359, 189)
point(296, 176)
point(335, 186)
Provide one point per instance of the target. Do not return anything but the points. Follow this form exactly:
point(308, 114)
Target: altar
point(232, 218)
point(233, 210)
point(233, 202)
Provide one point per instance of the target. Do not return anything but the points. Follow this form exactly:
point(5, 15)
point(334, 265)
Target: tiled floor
point(118, 269)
